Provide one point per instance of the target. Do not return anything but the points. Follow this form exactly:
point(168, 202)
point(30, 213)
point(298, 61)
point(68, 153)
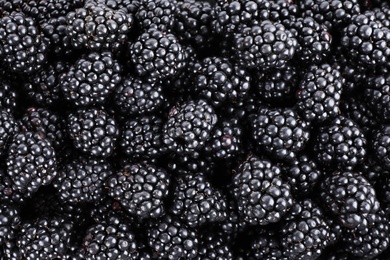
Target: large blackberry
point(22, 47)
point(92, 79)
point(340, 144)
point(141, 189)
point(158, 14)
point(98, 27)
point(9, 222)
point(189, 127)
point(319, 93)
point(157, 55)
point(7, 96)
point(93, 131)
point(349, 197)
point(265, 46)
point(281, 132)
point(8, 128)
point(262, 196)
point(31, 162)
point(377, 96)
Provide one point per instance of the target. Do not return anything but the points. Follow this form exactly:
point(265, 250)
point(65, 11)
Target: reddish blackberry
point(7, 96)
point(171, 239)
point(158, 14)
point(134, 96)
point(189, 127)
point(340, 144)
point(265, 46)
point(318, 94)
point(9, 222)
point(92, 79)
point(31, 162)
point(349, 197)
point(265, 245)
point(261, 194)
point(8, 128)
point(157, 55)
point(281, 132)
point(98, 27)
point(377, 96)
point(141, 189)
point(22, 49)
point(380, 145)
point(304, 232)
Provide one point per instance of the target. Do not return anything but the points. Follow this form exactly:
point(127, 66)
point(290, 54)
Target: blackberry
point(304, 233)
point(8, 128)
point(197, 202)
point(159, 14)
point(349, 197)
point(281, 132)
point(262, 196)
point(340, 144)
point(31, 162)
point(92, 79)
point(383, 193)
point(7, 96)
point(218, 81)
point(380, 145)
point(23, 49)
point(283, 11)
point(213, 246)
point(9, 222)
point(9, 193)
point(93, 131)
point(111, 238)
point(265, 245)
point(377, 96)
point(141, 189)
point(171, 239)
point(82, 179)
point(98, 27)
point(265, 46)
point(157, 55)
point(372, 169)
point(189, 127)
point(134, 96)
point(42, 10)
point(319, 93)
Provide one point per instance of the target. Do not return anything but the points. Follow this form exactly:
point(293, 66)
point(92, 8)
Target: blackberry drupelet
point(376, 94)
point(8, 128)
point(265, 46)
point(92, 79)
point(9, 222)
point(7, 96)
point(281, 132)
point(189, 127)
point(157, 55)
point(349, 197)
point(304, 232)
point(141, 189)
point(340, 144)
point(171, 239)
point(157, 14)
point(93, 131)
point(22, 48)
point(262, 196)
point(81, 180)
point(380, 145)
point(134, 96)
point(319, 93)
point(31, 162)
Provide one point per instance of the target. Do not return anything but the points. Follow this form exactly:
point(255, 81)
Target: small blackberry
point(141, 189)
point(281, 132)
point(260, 193)
point(157, 55)
point(349, 197)
point(31, 162)
point(158, 14)
point(9, 222)
point(7, 96)
point(377, 96)
point(189, 127)
point(340, 144)
point(92, 79)
point(319, 93)
point(265, 245)
point(8, 128)
point(93, 131)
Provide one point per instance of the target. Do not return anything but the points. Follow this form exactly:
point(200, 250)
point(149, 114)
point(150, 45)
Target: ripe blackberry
point(383, 193)
point(134, 96)
point(213, 246)
point(265, 46)
point(265, 245)
point(23, 49)
point(157, 14)
point(283, 11)
point(8, 128)
point(7, 97)
point(319, 93)
point(42, 10)
point(31, 162)
point(111, 238)
point(93, 131)
point(262, 196)
point(157, 55)
point(304, 232)
point(142, 137)
point(340, 144)
point(9, 222)
point(189, 127)
point(171, 239)
point(98, 27)
point(44, 238)
point(349, 197)
point(141, 189)
point(380, 145)
point(92, 79)
point(281, 132)
point(377, 96)
point(9, 193)
point(218, 81)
